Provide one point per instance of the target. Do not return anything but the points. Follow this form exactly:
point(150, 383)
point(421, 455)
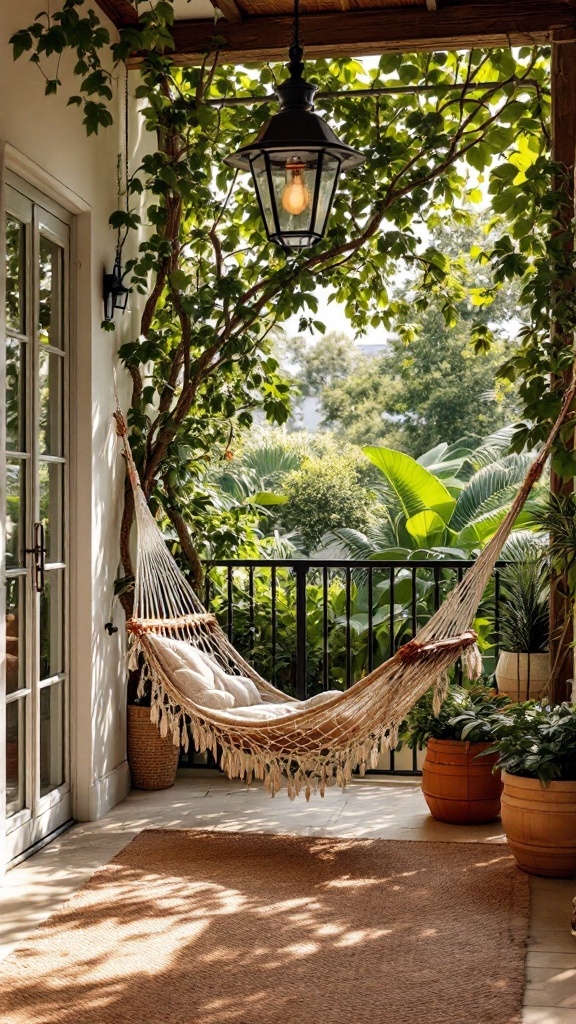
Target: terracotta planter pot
point(540, 825)
point(523, 676)
point(153, 760)
point(457, 788)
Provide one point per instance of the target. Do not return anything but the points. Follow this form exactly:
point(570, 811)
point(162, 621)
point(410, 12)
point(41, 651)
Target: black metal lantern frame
point(296, 161)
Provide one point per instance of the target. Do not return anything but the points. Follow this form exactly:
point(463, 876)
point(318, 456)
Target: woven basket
point(153, 759)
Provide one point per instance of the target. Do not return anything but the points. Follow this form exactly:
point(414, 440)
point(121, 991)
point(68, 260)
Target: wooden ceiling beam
point(229, 8)
point(120, 12)
point(483, 23)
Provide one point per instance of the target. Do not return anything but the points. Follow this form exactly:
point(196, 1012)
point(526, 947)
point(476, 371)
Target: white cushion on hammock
point(271, 712)
point(202, 675)
point(264, 712)
point(202, 680)
point(192, 687)
point(177, 654)
point(245, 692)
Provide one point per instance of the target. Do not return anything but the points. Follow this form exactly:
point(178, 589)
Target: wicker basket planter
point(153, 759)
point(540, 825)
point(458, 788)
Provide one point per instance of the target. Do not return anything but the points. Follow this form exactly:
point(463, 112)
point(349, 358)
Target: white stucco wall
point(45, 140)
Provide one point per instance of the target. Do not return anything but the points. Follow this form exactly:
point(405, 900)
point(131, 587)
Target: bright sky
point(334, 317)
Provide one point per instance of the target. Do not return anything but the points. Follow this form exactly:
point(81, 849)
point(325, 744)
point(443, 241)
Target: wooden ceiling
point(259, 30)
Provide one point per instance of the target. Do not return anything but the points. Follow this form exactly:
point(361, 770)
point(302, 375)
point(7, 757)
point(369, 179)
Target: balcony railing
point(313, 624)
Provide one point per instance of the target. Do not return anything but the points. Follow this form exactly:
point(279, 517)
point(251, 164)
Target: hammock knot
point(415, 649)
point(136, 627)
point(121, 428)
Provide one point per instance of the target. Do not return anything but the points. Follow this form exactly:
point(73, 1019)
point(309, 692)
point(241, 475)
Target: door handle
point(39, 552)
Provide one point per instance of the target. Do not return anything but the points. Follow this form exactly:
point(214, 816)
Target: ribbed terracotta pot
point(540, 825)
point(523, 676)
point(458, 788)
point(153, 759)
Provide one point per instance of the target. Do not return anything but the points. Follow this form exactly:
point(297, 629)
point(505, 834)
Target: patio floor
point(378, 808)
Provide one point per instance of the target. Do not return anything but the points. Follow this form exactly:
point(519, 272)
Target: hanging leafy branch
point(216, 290)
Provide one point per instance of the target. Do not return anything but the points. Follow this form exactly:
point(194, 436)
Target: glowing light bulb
point(295, 197)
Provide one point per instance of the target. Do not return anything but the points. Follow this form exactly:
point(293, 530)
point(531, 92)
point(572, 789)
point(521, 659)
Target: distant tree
point(430, 389)
point(362, 406)
point(330, 358)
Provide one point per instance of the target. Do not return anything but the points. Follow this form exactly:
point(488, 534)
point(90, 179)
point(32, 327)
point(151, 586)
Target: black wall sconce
point(115, 292)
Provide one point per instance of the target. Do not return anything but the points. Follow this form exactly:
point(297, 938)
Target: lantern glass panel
point(327, 186)
point(121, 298)
point(262, 181)
point(294, 183)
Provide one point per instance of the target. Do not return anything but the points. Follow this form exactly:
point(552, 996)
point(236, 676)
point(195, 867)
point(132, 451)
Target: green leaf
point(179, 280)
point(417, 489)
point(20, 42)
point(266, 498)
point(427, 529)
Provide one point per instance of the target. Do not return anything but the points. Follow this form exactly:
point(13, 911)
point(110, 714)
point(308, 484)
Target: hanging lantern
point(295, 161)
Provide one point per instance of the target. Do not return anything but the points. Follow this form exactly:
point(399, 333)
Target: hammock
point(198, 679)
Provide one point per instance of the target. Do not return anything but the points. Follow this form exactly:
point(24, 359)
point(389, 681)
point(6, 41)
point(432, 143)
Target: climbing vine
point(458, 130)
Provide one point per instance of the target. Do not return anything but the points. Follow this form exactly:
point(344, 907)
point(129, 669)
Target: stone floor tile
point(551, 995)
point(546, 1015)
point(554, 915)
point(558, 941)
point(537, 974)
point(555, 960)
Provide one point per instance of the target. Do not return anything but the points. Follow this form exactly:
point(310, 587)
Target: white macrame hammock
point(304, 745)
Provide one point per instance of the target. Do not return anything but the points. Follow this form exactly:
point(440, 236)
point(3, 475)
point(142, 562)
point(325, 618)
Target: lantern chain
point(296, 52)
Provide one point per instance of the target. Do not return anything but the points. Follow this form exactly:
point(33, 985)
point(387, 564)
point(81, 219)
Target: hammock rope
point(305, 745)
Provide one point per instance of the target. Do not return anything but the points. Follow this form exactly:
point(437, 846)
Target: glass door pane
point(15, 757)
point(15, 274)
point(52, 722)
point(15, 395)
point(15, 634)
point(18, 462)
point(50, 496)
point(36, 656)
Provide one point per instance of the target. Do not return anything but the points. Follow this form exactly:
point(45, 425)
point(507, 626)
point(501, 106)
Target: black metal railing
point(313, 624)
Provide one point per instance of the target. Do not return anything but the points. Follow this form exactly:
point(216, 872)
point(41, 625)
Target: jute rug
point(222, 928)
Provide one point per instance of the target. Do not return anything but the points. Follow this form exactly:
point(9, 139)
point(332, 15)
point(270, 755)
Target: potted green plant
point(458, 788)
point(523, 669)
point(536, 748)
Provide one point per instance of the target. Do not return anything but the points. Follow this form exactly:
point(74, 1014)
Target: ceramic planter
point(523, 676)
point(457, 787)
point(540, 825)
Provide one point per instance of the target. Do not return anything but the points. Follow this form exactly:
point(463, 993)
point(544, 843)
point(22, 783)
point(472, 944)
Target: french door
point(35, 518)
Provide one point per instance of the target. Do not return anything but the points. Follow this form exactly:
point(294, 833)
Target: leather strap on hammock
point(140, 626)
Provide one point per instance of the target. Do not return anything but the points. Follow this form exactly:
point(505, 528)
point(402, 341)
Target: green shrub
point(323, 495)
